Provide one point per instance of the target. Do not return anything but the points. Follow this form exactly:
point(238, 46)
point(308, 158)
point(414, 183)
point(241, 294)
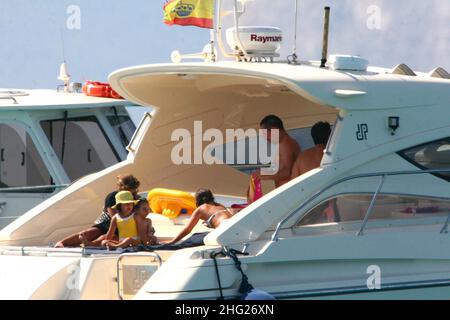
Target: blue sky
point(115, 34)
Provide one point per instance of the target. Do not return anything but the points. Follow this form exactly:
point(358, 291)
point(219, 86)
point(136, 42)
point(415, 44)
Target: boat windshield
point(123, 126)
point(431, 155)
point(80, 144)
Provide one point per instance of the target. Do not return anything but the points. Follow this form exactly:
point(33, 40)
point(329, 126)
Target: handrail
point(372, 204)
point(140, 255)
point(141, 123)
point(357, 176)
point(11, 95)
point(445, 227)
point(26, 251)
point(21, 189)
point(11, 98)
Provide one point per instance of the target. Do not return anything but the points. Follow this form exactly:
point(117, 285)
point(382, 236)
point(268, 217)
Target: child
point(93, 236)
point(125, 221)
point(145, 228)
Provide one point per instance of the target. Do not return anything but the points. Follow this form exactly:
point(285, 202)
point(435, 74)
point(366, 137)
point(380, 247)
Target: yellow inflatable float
point(171, 203)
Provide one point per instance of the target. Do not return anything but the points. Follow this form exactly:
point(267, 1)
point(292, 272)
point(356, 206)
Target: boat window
point(433, 155)
point(243, 154)
point(347, 208)
point(332, 141)
point(303, 137)
point(123, 126)
point(80, 144)
point(20, 162)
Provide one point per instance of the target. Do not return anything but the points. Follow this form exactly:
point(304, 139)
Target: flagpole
point(211, 41)
point(219, 31)
point(211, 34)
point(236, 26)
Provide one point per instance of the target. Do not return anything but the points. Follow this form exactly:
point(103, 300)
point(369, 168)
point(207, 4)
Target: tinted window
point(433, 155)
point(80, 144)
point(244, 153)
point(303, 137)
point(347, 208)
point(20, 163)
point(247, 151)
point(123, 126)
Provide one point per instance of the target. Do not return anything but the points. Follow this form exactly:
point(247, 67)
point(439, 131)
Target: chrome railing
point(146, 116)
point(11, 95)
point(383, 176)
point(9, 98)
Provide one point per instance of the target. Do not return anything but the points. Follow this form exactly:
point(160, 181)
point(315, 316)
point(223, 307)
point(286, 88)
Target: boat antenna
point(293, 57)
point(326, 27)
point(64, 75)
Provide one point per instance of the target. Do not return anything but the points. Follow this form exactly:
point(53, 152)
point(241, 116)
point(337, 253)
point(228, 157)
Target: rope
point(232, 253)
point(213, 256)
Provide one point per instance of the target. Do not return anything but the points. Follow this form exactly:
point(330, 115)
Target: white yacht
point(49, 139)
point(370, 222)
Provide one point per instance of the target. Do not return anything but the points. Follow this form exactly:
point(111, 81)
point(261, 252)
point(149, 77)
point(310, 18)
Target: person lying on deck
point(208, 210)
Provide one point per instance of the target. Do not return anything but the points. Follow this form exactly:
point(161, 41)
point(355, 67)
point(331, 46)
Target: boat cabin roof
point(35, 99)
point(376, 88)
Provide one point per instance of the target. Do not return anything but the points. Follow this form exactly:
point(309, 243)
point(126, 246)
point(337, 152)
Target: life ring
point(99, 89)
point(171, 203)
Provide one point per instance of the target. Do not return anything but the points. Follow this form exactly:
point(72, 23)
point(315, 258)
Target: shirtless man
point(288, 150)
point(311, 158)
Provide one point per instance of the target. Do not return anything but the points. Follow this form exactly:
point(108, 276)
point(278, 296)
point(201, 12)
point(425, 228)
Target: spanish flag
point(198, 13)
